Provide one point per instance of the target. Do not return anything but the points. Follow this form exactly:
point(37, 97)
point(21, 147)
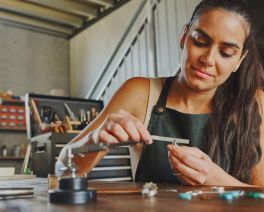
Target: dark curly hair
point(232, 136)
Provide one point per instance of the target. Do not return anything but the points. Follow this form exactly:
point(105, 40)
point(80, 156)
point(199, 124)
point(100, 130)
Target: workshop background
point(87, 49)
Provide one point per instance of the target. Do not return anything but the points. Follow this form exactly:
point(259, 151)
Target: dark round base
point(72, 197)
point(75, 184)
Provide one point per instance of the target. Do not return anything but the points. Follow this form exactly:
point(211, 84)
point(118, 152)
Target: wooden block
point(52, 182)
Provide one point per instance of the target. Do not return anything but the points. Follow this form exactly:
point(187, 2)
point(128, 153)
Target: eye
point(227, 52)
point(199, 43)
point(199, 40)
point(226, 55)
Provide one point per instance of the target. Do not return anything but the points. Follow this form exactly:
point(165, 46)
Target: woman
point(215, 101)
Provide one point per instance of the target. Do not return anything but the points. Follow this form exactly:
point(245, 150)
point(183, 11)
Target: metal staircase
point(64, 18)
point(149, 46)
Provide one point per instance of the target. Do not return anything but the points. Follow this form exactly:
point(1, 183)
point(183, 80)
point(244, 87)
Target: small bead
point(255, 195)
point(235, 194)
point(187, 196)
point(226, 196)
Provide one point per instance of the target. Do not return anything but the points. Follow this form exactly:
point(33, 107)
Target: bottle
point(4, 151)
point(16, 151)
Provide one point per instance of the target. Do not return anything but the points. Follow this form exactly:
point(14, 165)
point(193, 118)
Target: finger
point(105, 137)
point(189, 160)
point(144, 133)
point(186, 181)
point(131, 129)
point(127, 124)
point(194, 151)
point(117, 131)
point(186, 170)
point(184, 150)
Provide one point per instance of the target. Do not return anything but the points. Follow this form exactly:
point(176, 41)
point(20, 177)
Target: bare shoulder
point(135, 84)
point(132, 97)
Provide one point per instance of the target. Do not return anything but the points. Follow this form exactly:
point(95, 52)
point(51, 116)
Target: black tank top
point(154, 164)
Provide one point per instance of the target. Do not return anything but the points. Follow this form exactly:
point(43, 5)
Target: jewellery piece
point(177, 173)
point(149, 189)
point(174, 143)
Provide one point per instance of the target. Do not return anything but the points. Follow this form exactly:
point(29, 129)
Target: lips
point(201, 73)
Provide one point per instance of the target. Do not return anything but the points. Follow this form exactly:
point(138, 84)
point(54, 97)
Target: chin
point(201, 87)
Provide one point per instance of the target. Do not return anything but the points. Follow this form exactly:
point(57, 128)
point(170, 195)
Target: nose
point(208, 57)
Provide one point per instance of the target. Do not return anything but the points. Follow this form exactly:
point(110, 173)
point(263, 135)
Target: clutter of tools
point(48, 120)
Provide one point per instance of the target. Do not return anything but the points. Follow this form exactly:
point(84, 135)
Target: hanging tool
point(69, 112)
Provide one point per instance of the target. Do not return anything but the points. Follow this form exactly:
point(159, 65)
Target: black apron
point(154, 164)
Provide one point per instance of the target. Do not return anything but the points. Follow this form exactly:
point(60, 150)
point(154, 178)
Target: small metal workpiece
point(170, 190)
point(149, 189)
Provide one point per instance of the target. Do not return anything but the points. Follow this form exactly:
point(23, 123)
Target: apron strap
point(155, 87)
point(164, 93)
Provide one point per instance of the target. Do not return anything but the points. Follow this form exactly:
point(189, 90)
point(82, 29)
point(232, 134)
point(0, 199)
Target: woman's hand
point(192, 166)
point(122, 127)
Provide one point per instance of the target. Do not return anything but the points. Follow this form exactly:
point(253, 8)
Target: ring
point(177, 173)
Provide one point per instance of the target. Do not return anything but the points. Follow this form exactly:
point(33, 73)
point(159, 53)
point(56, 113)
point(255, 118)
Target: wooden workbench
point(163, 201)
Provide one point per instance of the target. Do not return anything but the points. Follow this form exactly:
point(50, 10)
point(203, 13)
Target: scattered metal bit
point(171, 190)
point(149, 189)
point(218, 189)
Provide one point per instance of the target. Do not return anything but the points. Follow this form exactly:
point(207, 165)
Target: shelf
point(11, 158)
point(13, 129)
point(73, 131)
point(13, 102)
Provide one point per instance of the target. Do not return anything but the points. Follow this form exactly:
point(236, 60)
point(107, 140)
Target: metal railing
point(149, 47)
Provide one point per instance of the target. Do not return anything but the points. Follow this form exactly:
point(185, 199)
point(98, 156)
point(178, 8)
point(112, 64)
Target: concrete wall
point(91, 49)
point(31, 61)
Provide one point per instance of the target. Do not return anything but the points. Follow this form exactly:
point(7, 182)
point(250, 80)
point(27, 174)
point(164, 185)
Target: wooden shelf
point(13, 129)
point(11, 158)
point(73, 131)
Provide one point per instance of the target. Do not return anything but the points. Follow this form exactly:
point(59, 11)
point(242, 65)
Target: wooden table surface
point(165, 200)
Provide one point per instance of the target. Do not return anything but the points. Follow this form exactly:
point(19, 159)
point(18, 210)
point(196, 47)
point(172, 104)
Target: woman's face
point(212, 49)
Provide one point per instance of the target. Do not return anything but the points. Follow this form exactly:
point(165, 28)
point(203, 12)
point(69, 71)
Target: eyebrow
point(228, 44)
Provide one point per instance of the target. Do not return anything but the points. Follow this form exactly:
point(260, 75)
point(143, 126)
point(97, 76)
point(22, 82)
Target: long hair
point(232, 135)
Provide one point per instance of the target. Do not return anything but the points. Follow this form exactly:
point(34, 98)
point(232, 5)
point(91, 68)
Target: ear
point(183, 36)
point(240, 60)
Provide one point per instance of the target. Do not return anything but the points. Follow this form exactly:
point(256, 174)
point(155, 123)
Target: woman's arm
point(258, 170)
point(121, 120)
